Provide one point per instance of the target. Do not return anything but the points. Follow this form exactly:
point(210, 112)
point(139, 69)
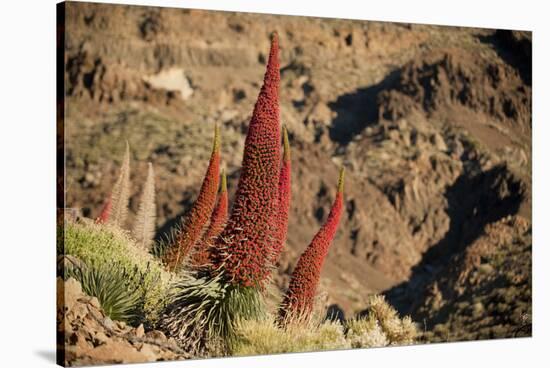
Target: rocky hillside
point(432, 123)
point(482, 292)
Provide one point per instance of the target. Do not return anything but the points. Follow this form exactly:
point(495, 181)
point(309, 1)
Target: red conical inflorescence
point(105, 212)
point(244, 248)
point(299, 299)
point(283, 204)
point(195, 222)
point(201, 255)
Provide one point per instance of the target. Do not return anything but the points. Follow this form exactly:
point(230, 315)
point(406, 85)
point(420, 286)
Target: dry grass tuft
point(382, 316)
point(267, 337)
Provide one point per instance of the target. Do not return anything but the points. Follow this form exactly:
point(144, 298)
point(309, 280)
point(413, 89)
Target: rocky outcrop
point(439, 79)
point(89, 337)
point(485, 292)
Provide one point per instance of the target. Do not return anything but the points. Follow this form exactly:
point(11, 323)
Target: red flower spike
point(283, 207)
point(243, 250)
point(194, 223)
point(105, 212)
point(217, 222)
point(299, 299)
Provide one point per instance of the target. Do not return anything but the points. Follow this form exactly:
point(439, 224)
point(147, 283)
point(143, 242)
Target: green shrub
point(113, 287)
point(204, 312)
point(101, 246)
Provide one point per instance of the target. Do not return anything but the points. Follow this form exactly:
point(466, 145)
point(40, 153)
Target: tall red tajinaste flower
point(283, 205)
point(243, 250)
point(105, 212)
point(299, 299)
point(195, 222)
point(201, 255)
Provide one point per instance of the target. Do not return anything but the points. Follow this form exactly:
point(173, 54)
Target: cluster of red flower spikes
point(283, 204)
point(194, 223)
point(244, 247)
point(300, 296)
point(201, 254)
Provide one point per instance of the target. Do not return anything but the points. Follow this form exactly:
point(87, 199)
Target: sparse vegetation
point(380, 327)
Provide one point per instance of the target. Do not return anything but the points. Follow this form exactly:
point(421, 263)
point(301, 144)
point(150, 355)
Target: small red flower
point(299, 299)
point(105, 212)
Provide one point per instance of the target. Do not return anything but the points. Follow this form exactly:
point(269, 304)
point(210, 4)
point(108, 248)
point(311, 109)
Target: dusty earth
point(432, 123)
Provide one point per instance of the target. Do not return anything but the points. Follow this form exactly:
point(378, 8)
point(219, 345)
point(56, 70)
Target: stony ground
point(432, 123)
point(90, 337)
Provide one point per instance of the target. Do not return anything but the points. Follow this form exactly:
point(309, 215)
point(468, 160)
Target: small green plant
point(114, 287)
point(204, 310)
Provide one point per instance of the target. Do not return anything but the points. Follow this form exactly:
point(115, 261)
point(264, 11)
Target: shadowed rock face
point(432, 124)
point(483, 292)
point(455, 76)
